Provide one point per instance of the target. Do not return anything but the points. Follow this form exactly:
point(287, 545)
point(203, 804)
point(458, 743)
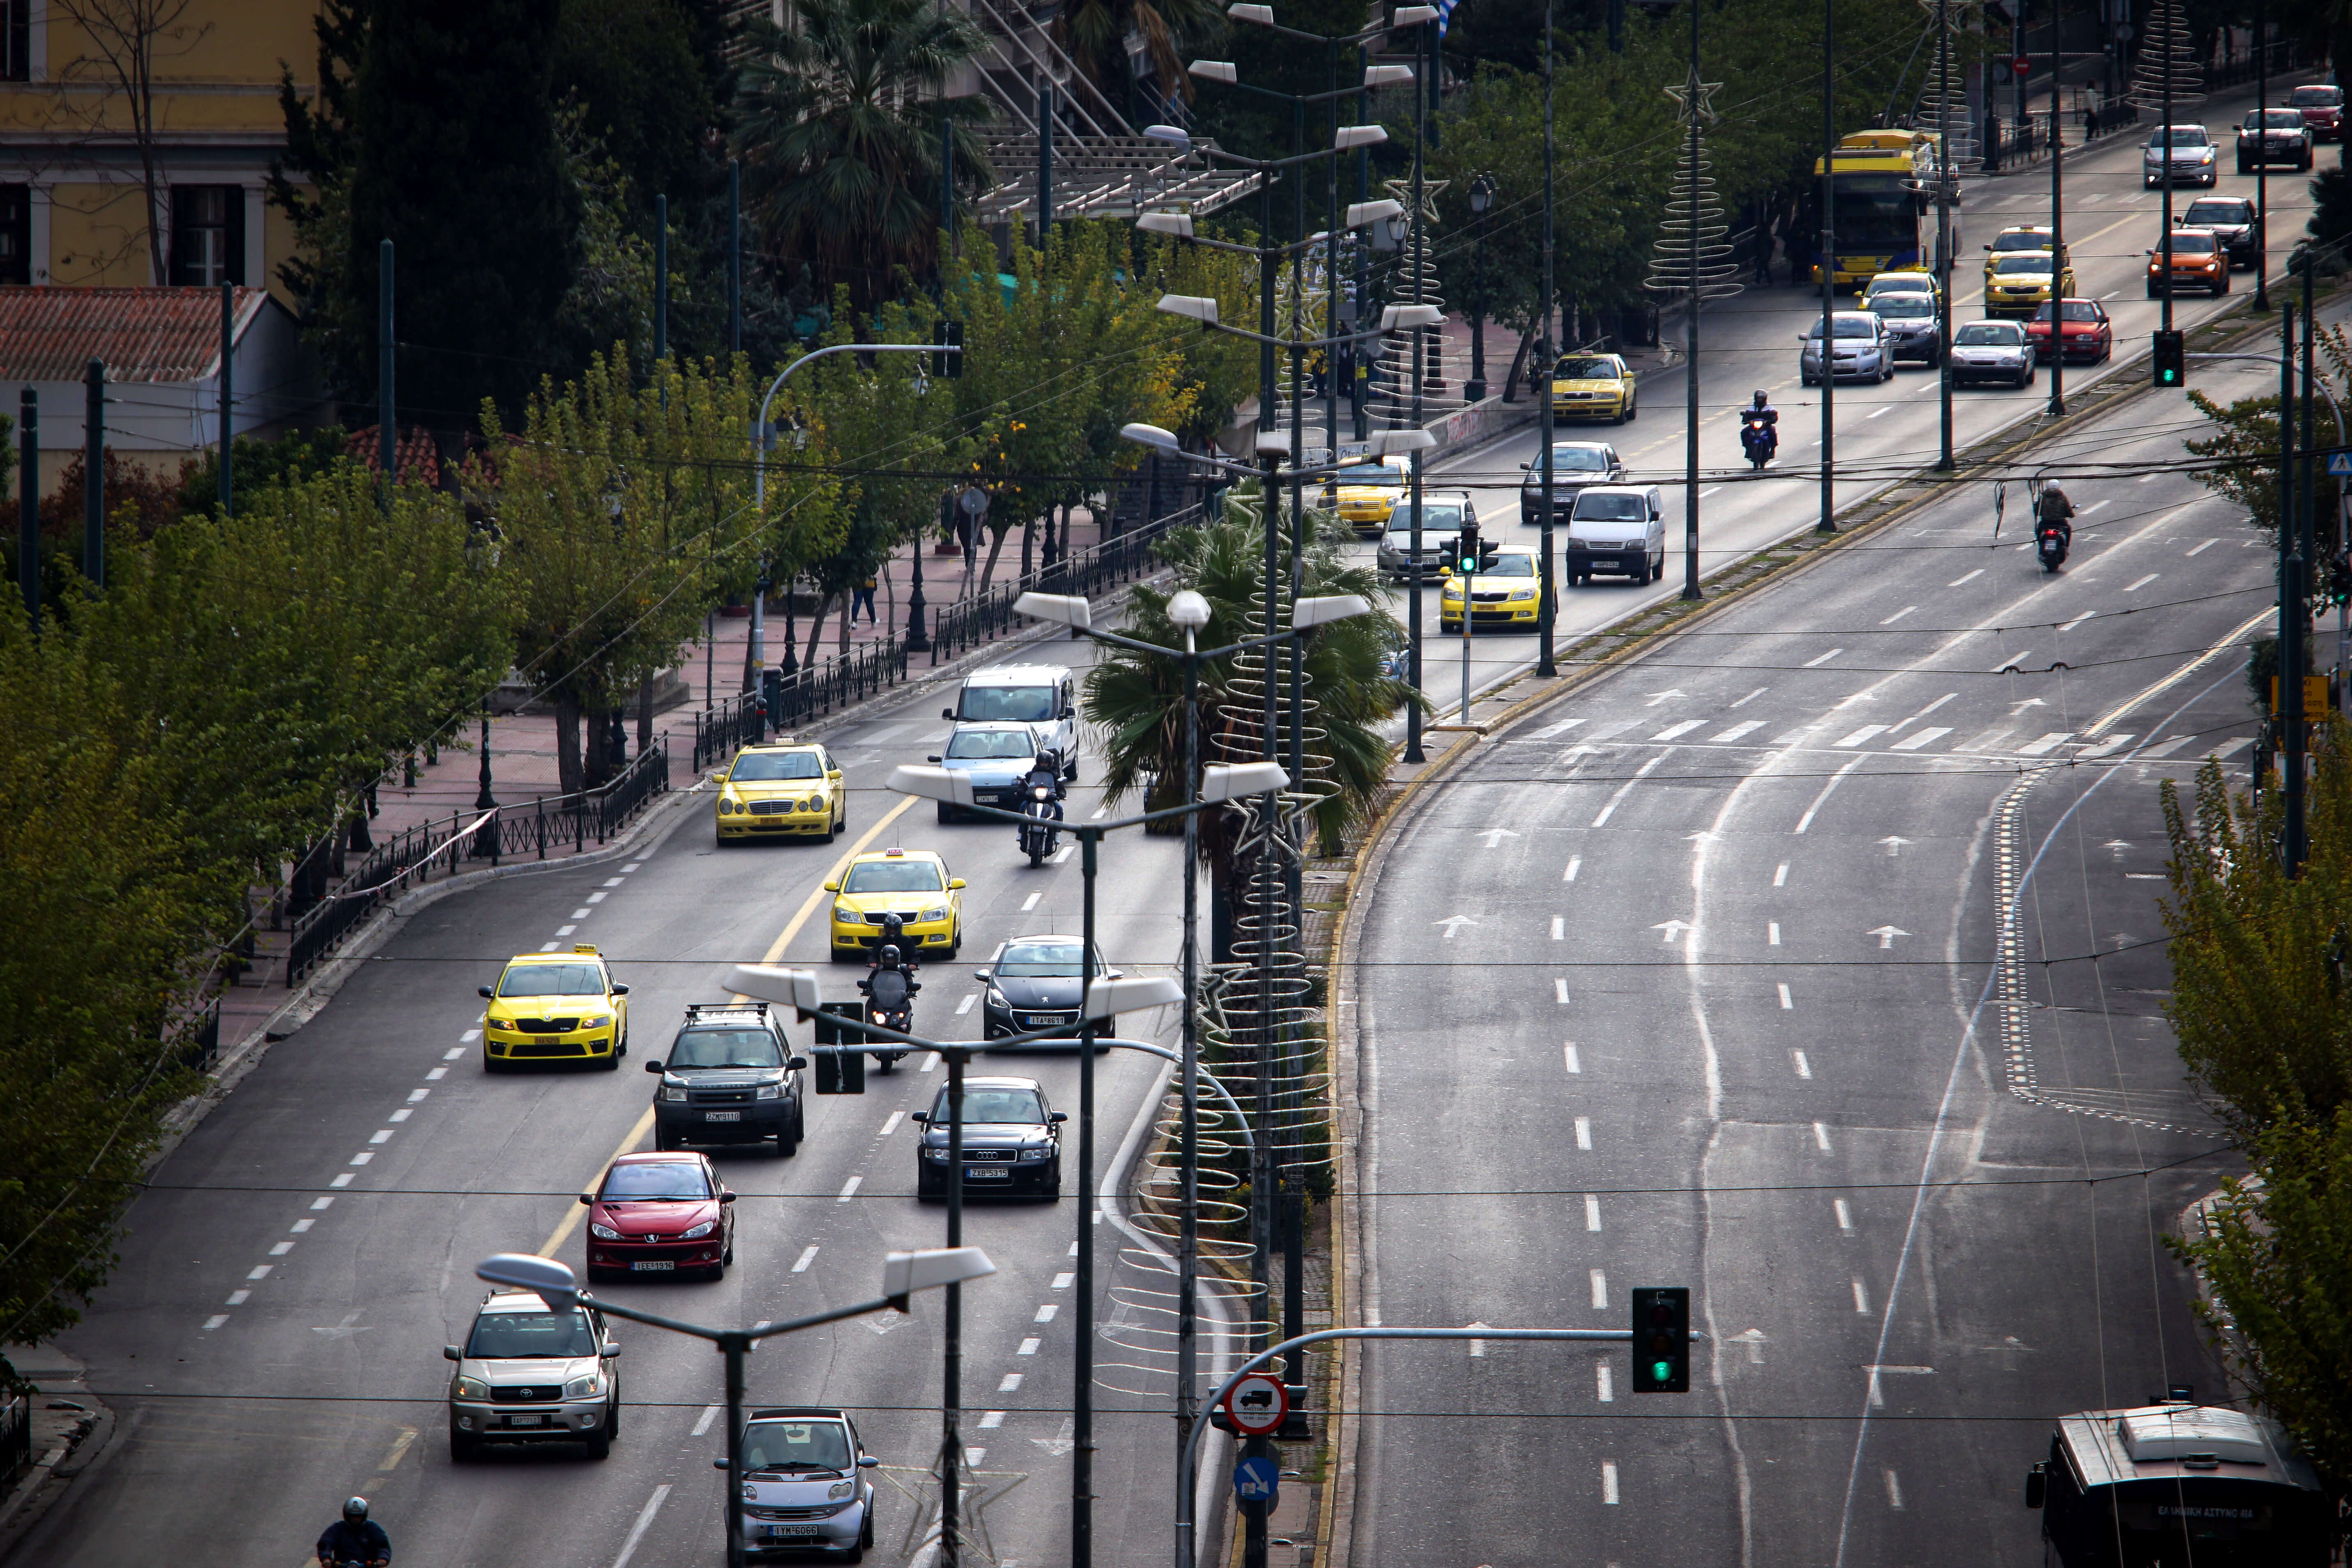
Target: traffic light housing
point(950, 362)
point(839, 1072)
point(2339, 580)
point(1466, 549)
point(1662, 1340)
point(2171, 358)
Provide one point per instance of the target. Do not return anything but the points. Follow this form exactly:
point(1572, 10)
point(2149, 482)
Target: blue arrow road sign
point(2339, 464)
point(1258, 1480)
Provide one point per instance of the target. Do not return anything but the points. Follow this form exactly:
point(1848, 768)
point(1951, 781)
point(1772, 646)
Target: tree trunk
point(567, 744)
point(599, 769)
point(1518, 367)
point(995, 549)
point(1028, 531)
point(816, 630)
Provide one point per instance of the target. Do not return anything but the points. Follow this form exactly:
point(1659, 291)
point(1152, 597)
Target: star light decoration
point(1693, 95)
point(1403, 191)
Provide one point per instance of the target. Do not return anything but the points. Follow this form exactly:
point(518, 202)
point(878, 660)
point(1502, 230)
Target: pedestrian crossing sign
point(2339, 464)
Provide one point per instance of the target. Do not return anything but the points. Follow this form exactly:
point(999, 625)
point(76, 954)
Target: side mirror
point(451, 1353)
point(1525, 467)
point(1070, 711)
point(794, 1064)
point(620, 990)
point(718, 1464)
point(1059, 1116)
point(726, 1196)
point(1114, 974)
point(1988, 248)
point(866, 1461)
point(585, 1198)
point(610, 1352)
point(833, 887)
point(931, 759)
point(922, 1116)
point(955, 884)
point(482, 991)
point(947, 712)
point(2037, 1486)
point(981, 976)
point(653, 1066)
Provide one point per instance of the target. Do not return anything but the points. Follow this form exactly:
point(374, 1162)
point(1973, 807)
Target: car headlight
point(1038, 1152)
point(602, 1231)
point(842, 915)
point(1523, 592)
point(936, 912)
point(769, 1092)
point(673, 1093)
point(705, 1228)
point(997, 999)
point(2206, 156)
point(839, 1489)
point(472, 1388)
point(726, 804)
point(601, 1021)
point(935, 1150)
point(584, 1387)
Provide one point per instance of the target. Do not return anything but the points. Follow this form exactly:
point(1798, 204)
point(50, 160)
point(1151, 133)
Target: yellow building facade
point(136, 138)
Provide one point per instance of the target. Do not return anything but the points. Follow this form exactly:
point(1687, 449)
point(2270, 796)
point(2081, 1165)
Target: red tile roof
point(417, 457)
point(143, 334)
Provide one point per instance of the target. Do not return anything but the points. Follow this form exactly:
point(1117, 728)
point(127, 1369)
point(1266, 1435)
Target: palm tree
point(1096, 34)
point(841, 129)
point(1136, 701)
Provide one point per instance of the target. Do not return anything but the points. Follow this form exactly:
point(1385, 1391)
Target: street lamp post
point(1547, 588)
point(1481, 200)
point(903, 1273)
point(1945, 184)
point(2058, 215)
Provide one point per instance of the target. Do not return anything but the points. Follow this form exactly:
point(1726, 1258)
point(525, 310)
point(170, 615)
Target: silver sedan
point(1862, 350)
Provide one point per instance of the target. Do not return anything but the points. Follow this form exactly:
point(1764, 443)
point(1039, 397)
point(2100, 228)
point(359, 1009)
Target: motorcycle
point(1041, 832)
point(1759, 439)
point(890, 1002)
point(2050, 543)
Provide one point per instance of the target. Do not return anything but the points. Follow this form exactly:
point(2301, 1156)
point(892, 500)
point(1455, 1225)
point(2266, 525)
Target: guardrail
point(731, 725)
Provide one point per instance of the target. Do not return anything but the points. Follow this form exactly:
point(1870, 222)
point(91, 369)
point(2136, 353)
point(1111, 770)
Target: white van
point(1040, 696)
point(1620, 529)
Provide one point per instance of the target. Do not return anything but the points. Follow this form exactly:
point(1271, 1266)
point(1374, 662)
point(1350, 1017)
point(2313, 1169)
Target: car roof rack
point(695, 1010)
point(788, 1412)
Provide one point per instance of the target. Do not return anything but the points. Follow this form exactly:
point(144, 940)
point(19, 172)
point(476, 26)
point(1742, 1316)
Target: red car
point(660, 1214)
point(2090, 336)
point(2323, 111)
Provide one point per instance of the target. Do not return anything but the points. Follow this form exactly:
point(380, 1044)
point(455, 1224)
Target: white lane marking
point(324, 1202)
point(1898, 615)
point(972, 1456)
point(1924, 738)
point(992, 1421)
point(1062, 855)
point(632, 866)
point(1804, 1068)
point(1592, 1212)
point(1674, 732)
point(2229, 748)
point(301, 1226)
point(261, 1271)
point(637, 1531)
point(565, 930)
point(965, 1005)
point(849, 1189)
point(216, 1319)
point(1822, 1136)
point(2202, 548)
point(1573, 862)
point(1584, 1132)
point(381, 1135)
point(1560, 992)
point(404, 1113)
point(1600, 1288)
point(1824, 658)
point(417, 1094)
point(612, 881)
point(1867, 732)
point(1623, 789)
point(1063, 1281)
point(2097, 504)
point(580, 914)
point(1786, 1003)
point(281, 1249)
point(1751, 697)
point(1708, 492)
point(1609, 1480)
point(1100, 812)
point(598, 898)
point(364, 1157)
point(2165, 748)
point(1771, 933)
point(1573, 1065)
point(1011, 1383)
point(2078, 620)
point(891, 1125)
point(930, 1062)
point(237, 1298)
point(2049, 743)
point(2129, 588)
point(468, 1037)
point(1874, 413)
point(1844, 1213)
point(1549, 730)
point(1603, 1388)
point(1045, 1313)
point(1030, 901)
point(343, 1180)
point(1780, 875)
point(1893, 1491)
point(1028, 1347)
point(549, 946)
point(807, 1257)
point(1861, 1298)
point(1745, 727)
point(1923, 712)
point(1836, 779)
point(1958, 581)
point(436, 1075)
point(1559, 928)
point(702, 1422)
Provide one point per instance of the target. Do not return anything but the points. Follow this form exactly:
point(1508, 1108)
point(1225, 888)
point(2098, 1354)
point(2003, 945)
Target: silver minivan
point(1620, 529)
point(1040, 696)
point(1442, 517)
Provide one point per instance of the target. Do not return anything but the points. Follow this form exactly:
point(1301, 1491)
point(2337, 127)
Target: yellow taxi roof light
point(584, 947)
point(893, 854)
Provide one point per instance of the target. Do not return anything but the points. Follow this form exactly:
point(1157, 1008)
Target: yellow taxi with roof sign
point(555, 1006)
point(912, 884)
point(1593, 386)
point(1363, 494)
point(783, 790)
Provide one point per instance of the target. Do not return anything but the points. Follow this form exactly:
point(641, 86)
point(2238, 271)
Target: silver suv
point(803, 1486)
point(1443, 514)
point(530, 1374)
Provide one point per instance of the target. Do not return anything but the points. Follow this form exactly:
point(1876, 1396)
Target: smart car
point(803, 1486)
point(555, 1006)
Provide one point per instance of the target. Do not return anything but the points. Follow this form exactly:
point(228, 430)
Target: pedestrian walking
point(865, 600)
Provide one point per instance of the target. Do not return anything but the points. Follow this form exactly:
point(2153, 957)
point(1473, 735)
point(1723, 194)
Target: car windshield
point(1583, 459)
point(1905, 307)
point(553, 980)
point(894, 876)
point(1020, 1105)
point(1434, 515)
point(1586, 367)
point(758, 767)
point(2192, 245)
point(2076, 310)
point(1902, 283)
point(2016, 266)
point(2181, 136)
point(2276, 120)
point(2218, 211)
point(1976, 334)
point(656, 1179)
point(1372, 474)
point(971, 744)
point(2021, 239)
point(795, 1446)
point(1591, 508)
point(1848, 326)
point(1043, 958)
point(726, 1048)
point(1025, 704)
point(530, 1336)
point(1509, 566)
point(2316, 97)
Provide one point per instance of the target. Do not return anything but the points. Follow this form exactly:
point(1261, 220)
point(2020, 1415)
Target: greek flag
point(1444, 14)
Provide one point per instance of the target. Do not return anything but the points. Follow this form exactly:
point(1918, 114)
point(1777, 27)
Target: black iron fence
point(835, 681)
point(1123, 557)
point(198, 1046)
point(550, 822)
point(15, 1439)
point(731, 725)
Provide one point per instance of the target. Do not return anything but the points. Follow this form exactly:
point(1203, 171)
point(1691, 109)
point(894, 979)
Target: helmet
point(355, 1510)
point(1759, 398)
point(889, 955)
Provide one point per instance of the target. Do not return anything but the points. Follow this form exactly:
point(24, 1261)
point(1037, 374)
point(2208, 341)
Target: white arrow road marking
point(2017, 707)
point(1549, 730)
point(2116, 847)
point(1060, 1444)
point(344, 1329)
point(1671, 928)
point(882, 1322)
point(1754, 1339)
point(1493, 836)
point(1894, 845)
point(1887, 935)
point(1663, 696)
point(1453, 923)
point(1701, 837)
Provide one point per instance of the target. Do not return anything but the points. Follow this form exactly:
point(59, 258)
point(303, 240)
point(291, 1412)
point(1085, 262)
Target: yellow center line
point(572, 1215)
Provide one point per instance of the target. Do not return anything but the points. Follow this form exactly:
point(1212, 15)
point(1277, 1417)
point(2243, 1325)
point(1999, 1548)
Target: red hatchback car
point(2323, 111)
point(660, 1214)
point(2090, 336)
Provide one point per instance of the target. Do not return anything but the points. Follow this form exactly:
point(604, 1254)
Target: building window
point(207, 235)
point(15, 234)
point(16, 40)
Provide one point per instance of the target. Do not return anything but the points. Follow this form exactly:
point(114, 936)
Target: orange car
point(2200, 259)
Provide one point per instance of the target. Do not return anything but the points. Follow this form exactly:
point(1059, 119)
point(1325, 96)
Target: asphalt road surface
point(1722, 1010)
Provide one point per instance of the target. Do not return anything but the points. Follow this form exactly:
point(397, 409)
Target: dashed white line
point(1927, 737)
point(1822, 1136)
point(1804, 1068)
point(1011, 1384)
point(992, 1420)
point(972, 1456)
point(1745, 727)
point(549, 946)
point(1062, 855)
point(1780, 874)
point(891, 1125)
point(1828, 789)
point(1824, 658)
point(381, 1135)
point(436, 1075)
point(343, 1180)
point(1898, 615)
point(580, 914)
point(2202, 548)
point(281, 1249)
point(2129, 588)
point(930, 1062)
point(1958, 581)
point(1030, 901)
point(1574, 862)
point(216, 1319)
point(1623, 789)
point(1063, 1281)
point(404, 1113)
point(1867, 732)
point(1600, 1288)
point(1045, 1313)
point(1592, 1212)
point(1893, 1491)
point(237, 1298)
point(1786, 1001)
point(637, 1531)
point(1751, 697)
point(1771, 933)
point(1560, 992)
point(323, 1202)
point(1028, 1347)
point(1844, 1212)
point(565, 930)
point(1609, 1480)
point(2078, 620)
point(1560, 928)
point(597, 897)
point(261, 1271)
point(612, 881)
point(1861, 1298)
point(1603, 1389)
point(1584, 1132)
point(1573, 1065)
point(702, 1422)
point(965, 1005)
point(1674, 732)
point(415, 1095)
point(807, 1257)
point(364, 1157)
point(849, 1189)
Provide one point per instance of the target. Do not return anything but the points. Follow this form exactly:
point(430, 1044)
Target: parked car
point(2199, 260)
point(2230, 220)
point(2189, 149)
point(1992, 350)
point(1861, 352)
point(2322, 108)
point(2082, 324)
point(2274, 136)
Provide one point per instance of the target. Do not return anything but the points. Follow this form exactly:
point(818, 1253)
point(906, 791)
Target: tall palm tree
point(1095, 34)
point(840, 132)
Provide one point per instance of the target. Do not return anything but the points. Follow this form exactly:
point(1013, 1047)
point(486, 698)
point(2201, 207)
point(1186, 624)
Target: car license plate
point(780, 1532)
point(722, 1116)
point(985, 1172)
point(647, 1266)
point(547, 1039)
point(524, 1420)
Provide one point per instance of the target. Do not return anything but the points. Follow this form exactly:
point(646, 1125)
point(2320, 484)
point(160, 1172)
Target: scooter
point(890, 1002)
point(1759, 440)
point(2050, 543)
point(1041, 833)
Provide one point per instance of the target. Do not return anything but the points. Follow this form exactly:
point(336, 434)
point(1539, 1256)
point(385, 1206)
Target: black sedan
point(1012, 1140)
point(1033, 984)
point(2231, 219)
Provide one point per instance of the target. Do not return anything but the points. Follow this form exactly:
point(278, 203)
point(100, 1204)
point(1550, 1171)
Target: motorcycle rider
point(1045, 774)
point(355, 1537)
point(891, 981)
point(2053, 513)
point(1762, 417)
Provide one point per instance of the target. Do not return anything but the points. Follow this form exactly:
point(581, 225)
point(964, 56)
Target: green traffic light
point(1662, 1370)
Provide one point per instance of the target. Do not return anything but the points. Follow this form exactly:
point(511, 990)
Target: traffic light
point(1662, 1340)
point(2171, 358)
point(2339, 580)
point(951, 362)
point(839, 1072)
point(1466, 549)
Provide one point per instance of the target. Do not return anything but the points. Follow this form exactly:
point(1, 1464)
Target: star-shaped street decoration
point(1403, 191)
point(1693, 95)
point(978, 1488)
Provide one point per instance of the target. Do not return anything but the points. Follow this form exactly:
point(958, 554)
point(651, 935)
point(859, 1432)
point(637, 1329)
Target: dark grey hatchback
point(1034, 984)
point(1012, 1140)
point(730, 1079)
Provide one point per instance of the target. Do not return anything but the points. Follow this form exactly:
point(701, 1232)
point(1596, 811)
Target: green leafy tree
point(2243, 447)
point(632, 72)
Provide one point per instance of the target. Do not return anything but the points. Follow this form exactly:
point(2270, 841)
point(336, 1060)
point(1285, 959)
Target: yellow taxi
point(1506, 592)
point(1365, 494)
point(1593, 386)
point(912, 884)
point(779, 791)
point(2018, 276)
point(555, 1006)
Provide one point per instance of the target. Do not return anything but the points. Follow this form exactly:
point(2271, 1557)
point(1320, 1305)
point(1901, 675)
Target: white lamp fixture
point(1188, 609)
point(1215, 70)
point(1273, 444)
point(1109, 998)
point(551, 1282)
point(1325, 607)
point(1396, 318)
point(1412, 15)
point(904, 1273)
point(795, 988)
point(1387, 76)
point(1199, 307)
point(1175, 136)
point(952, 785)
point(1358, 136)
point(1362, 213)
point(1261, 14)
point(1177, 224)
point(1231, 781)
point(1387, 442)
point(1150, 435)
point(1065, 609)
